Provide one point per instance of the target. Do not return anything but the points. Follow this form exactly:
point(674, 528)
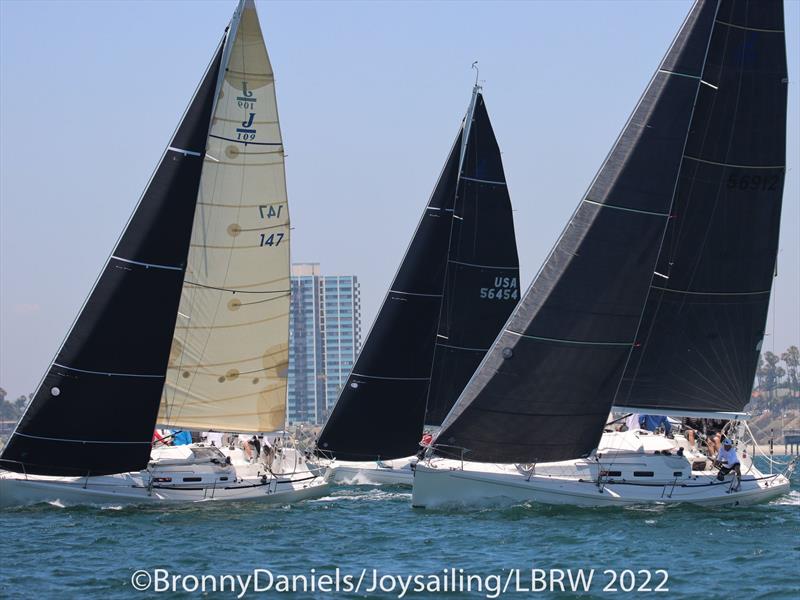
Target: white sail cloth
point(229, 359)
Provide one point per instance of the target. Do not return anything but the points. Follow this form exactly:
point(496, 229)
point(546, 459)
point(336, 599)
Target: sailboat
point(653, 300)
point(187, 324)
point(454, 289)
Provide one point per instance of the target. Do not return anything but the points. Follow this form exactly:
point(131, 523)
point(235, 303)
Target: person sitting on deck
point(727, 461)
point(251, 447)
point(653, 422)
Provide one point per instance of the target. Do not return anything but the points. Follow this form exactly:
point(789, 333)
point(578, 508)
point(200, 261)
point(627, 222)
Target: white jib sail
point(230, 353)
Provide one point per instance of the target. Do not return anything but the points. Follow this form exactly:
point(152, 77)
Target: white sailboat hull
point(624, 471)
point(17, 490)
point(175, 475)
point(436, 488)
point(390, 472)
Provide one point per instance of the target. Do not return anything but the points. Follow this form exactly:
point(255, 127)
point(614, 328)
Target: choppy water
point(736, 553)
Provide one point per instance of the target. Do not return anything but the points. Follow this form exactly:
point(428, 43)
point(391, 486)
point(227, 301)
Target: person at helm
point(727, 460)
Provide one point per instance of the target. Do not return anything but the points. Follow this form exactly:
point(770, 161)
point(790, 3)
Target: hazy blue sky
point(370, 95)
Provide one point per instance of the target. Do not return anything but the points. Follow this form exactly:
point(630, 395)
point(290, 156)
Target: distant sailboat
point(188, 322)
point(654, 299)
point(456, 286)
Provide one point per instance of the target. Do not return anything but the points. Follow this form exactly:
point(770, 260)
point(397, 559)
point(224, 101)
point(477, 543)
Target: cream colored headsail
point(230, 354)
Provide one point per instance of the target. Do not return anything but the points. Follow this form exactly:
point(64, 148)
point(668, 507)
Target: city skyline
point(324, 340)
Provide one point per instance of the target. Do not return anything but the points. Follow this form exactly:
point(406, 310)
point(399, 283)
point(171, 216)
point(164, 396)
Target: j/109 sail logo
point(246, 100)
point(505, 288)
point(246, 132)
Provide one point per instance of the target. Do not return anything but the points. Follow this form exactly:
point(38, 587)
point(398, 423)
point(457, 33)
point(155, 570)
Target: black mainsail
point(545, 389)
point(704, 320)
point(95, 409)
point(456, 286)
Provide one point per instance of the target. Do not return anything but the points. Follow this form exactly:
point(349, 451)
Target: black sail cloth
point(544, 390)
point(456, 286)
point(95, 410)
point(704, 319)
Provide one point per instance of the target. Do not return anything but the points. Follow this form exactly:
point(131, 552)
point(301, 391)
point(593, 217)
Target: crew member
point(727, 461)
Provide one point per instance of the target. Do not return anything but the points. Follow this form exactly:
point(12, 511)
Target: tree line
point(775, 373)
point(11, 410)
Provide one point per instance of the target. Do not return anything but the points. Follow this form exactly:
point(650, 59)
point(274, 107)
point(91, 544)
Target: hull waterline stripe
point(483, 180)
point(108, 373)
point(219, 137)
point(748, 28)
point(415, 294)
point(546, 339)
point(719, 164)
point(665, 289)
point(147, 265)
point(391, 378)
point(633, 210)
point(466, 264)
point(54, 439)
point(184, 152)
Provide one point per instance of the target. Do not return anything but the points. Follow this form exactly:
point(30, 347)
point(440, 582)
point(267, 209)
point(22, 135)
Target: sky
point(370, 95)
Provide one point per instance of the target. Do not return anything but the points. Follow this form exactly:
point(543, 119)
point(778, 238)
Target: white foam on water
point(790, 499)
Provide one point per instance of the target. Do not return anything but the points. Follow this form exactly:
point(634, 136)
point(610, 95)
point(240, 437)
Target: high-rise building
point(324, 340)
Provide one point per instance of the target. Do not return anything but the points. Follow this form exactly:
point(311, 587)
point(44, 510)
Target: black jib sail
point(544, 390)
point(95, 409)
point(456, 286)
point(704, 320)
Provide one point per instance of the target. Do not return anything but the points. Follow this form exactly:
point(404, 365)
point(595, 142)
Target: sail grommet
point(234, 304)
point(354, 385)
point(234, 229)
point(507, 353)
point(221, 378)
point(54, 391)
point(186, 374)
point(231, 152)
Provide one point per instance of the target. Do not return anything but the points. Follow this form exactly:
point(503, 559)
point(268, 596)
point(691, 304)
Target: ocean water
point(731, 553)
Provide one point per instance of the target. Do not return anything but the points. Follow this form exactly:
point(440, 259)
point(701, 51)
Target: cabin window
point(223, 479)
point(677, 473)
point(643, 474)
point(610, 473)
point(193, 479)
